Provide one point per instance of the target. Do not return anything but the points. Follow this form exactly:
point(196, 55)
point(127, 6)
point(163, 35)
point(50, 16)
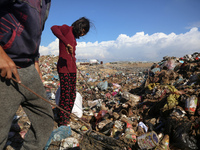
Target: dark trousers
point(38, 111)
point(67, 96)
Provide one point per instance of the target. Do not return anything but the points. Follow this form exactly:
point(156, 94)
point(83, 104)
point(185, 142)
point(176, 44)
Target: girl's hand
point(69, 49)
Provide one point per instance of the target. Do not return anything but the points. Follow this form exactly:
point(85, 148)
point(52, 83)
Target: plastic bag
point(181, 139)
point(77, 108)
point(191, 104)
point(170, 64)
point(102, 85)
point(58, 134)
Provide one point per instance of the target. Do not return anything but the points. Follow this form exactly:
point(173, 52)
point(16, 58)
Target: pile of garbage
point(50, 78)
point(124, 107)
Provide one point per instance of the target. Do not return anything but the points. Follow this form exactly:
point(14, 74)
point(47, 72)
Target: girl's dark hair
point(79, 25)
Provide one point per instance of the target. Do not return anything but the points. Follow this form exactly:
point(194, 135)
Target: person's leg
point(38, 111)
point(64, 99)
point(72, 91)
point(10, 100)
point(67, 97)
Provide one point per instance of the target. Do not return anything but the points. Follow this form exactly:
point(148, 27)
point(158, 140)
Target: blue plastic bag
point(58, 134)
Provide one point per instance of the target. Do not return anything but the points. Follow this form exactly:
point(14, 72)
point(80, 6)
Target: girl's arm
point(60, 32)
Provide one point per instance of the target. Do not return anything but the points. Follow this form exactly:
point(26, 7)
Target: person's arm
point(7, 66)
point(59, 32)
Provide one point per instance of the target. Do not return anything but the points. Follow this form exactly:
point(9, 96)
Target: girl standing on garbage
point(66, 65)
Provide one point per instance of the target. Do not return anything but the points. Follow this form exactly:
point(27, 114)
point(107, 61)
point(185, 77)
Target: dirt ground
point(133, 64)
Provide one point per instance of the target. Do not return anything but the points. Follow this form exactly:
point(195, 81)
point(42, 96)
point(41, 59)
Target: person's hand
point(69, 49)
point(7, 66)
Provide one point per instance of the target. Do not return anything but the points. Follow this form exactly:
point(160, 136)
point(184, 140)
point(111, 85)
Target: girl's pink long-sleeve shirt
point(66, 62)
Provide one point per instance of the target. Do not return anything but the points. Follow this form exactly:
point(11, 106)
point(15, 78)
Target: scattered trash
point(59, 134)
point(148, 140)
point(129, 105)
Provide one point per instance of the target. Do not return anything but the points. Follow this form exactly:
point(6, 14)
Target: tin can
point(148, 140)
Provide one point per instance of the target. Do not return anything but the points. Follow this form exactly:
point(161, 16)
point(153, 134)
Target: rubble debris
point(129, 106)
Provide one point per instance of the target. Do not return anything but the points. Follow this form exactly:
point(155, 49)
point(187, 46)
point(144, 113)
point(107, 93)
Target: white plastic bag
point(77, 108)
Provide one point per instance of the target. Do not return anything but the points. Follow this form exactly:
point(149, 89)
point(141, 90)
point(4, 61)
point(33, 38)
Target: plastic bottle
point(191, 104)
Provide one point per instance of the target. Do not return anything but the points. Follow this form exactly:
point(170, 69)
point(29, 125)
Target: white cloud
point(139, 47)
point(51, 49)
point(194, 24)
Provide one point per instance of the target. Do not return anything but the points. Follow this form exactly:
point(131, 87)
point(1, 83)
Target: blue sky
point(129, 30)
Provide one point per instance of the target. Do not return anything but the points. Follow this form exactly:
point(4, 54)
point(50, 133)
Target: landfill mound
point(126, 105)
